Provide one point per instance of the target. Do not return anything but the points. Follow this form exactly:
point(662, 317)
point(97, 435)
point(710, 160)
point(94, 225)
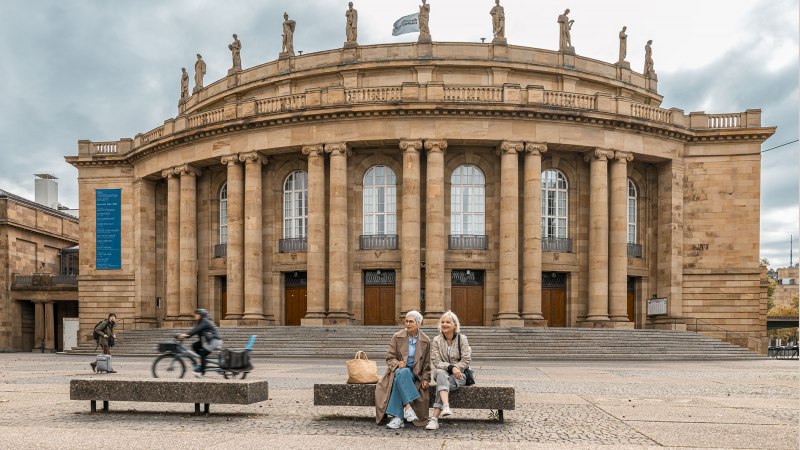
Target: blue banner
point(108, 229)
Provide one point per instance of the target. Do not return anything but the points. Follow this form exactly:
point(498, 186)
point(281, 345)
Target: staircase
point(486, 342)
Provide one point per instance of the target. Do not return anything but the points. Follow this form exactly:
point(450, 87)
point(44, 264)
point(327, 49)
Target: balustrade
point(724, 120)
point(153, 135)
point(367, 95)
point(473, 94)
point(556, 245)
point(651, 113)
point(279, 104)
point(204, 118)
point(105, 148)
point(569, 100)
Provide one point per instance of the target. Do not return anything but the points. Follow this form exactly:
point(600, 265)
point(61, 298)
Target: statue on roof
point(351, 28)
point(199, 72)
point(565, 39)
point(288, 34)
point(424, 17)
point(498, 20)
point(236, 48)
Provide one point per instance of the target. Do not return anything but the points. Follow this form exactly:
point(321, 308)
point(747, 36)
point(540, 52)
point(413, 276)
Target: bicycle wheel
point(169, 366)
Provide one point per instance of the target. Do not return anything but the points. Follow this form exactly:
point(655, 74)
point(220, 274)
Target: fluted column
point(410, 227)
point(188, 231)
point(618, 238)
point(173, 243)
point(435, 239)
point(532, 235)
point(316, 269)
point(508, 314)
point(253, 242)
point(598, 235)
point(235, 246)
point(339, 274)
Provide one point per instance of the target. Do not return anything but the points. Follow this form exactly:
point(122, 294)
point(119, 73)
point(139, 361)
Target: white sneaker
point(433, 424)
point(410, 415)
point(396, 423)
point(446, 411)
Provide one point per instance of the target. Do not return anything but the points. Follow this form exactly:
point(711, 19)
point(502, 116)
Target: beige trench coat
point(398, 350)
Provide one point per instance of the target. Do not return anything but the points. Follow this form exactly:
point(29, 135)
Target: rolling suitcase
point(104, 364)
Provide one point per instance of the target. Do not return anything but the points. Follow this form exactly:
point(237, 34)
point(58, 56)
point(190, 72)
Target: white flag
point(407, 24)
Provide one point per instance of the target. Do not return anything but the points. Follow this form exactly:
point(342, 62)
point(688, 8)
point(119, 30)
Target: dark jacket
point(205, 329)
point(106, 330)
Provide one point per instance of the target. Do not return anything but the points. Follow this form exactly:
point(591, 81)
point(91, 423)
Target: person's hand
point(183, 336)
point(457, 372)
point(105, 336)
point(425, 384)
point(401, 364)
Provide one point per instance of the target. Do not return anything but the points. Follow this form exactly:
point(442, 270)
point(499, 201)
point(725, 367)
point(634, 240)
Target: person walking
point(105, 337)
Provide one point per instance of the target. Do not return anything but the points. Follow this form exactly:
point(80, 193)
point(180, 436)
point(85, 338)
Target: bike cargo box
point(235, 359)
point(169, 347)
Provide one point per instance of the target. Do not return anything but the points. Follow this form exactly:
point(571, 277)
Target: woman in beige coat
point(450, 357)
point(402, 393)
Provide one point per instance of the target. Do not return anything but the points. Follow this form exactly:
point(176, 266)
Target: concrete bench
point(468, 397)
point(168, 391)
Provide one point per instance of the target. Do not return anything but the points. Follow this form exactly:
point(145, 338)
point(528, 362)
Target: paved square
point(728, 404)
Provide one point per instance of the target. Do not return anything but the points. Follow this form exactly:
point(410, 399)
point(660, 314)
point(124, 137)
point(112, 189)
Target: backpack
point(95, 334)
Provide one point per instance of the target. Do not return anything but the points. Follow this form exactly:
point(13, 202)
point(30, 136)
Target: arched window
point(554, 204)
point(295, 205)
point(632, 212)
point(380, 201)
point(223, 214)
point(467, 201)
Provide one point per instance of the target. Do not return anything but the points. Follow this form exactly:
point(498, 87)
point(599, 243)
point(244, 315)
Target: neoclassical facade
point(513, 185)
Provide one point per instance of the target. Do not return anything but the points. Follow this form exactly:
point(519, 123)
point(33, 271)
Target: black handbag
point(468, 373)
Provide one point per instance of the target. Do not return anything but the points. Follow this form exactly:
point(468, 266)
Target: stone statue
point(351, 29)
point(184, 85)
point(623, 44)
point(199, 72)
point(649, 71)
point(236, 48)
point(565, 40)
point(288, 34)
point(424, 16)
point(498, 20)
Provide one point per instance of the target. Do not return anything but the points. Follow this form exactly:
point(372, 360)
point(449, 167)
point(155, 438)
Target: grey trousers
point(446, 382)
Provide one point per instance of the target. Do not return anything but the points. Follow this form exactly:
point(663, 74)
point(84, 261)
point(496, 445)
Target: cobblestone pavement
point(730, 404)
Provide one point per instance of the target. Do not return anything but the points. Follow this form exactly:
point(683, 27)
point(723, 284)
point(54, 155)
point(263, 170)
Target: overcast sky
point(101, 70)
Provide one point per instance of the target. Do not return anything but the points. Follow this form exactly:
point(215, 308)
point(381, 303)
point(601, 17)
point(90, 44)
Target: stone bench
point(467, 397)
point(168, 391)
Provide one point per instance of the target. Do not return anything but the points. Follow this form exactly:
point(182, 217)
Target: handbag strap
point(361, 355)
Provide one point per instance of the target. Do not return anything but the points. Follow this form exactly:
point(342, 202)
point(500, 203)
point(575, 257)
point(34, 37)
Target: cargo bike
point(231, 363)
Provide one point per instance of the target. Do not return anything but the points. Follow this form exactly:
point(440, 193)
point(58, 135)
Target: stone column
point(144, 250)
point(38, 326)
point(435, 238)
point(338, 276)
point(188, 241)
point(49, 327)
point(253, 242)
point(669, 283)
point(234, 262)
point(618, 239)
point(316, 269)
point(508, 313)
point(532, 236)
point(173, 243)
point(598, 236)
point(410, 227)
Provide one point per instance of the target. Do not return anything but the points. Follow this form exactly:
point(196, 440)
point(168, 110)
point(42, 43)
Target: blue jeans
point(403, 391)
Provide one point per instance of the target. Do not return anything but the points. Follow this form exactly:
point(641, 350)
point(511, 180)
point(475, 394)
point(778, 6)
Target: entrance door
point(295, 300)
point(379, 297)
point(554, 298)
point(631, 292)
point(28, 325)
point(223, 296)
point(466, 296)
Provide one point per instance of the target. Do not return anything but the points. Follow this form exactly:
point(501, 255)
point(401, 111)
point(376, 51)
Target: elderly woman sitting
point(450, 355)
point(402, 393)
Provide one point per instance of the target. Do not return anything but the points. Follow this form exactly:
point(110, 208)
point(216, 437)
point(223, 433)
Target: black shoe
point(112, 371)
point(94, 366)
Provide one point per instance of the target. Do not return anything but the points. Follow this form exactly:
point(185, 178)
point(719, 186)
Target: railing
point(634, 250)
point(292, 245)
point(44, 280)
point(724, 120)
point(473, 94)
point(378, 94)
point(220, 250)
point(105, 148)
point(278, 104)
point(468, 242)
point(378, 242)
point(204, 118)
point(556, 245)
point(711, 330)
point(651, 113)
point(153, 135)
point(569, 100)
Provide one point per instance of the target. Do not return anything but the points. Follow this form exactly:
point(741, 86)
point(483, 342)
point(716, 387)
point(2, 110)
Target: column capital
point(168, 173)
point(339, 148)
point(510, 147)
point(623, 156)
point(313, 150)
point(536, 148)
point(187, 169)
point(435, 145)
point(601, 154)
point(411, 145)
point(253, 157)
point(230, 160)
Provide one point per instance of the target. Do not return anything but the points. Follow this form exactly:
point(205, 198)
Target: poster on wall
point(108, 230)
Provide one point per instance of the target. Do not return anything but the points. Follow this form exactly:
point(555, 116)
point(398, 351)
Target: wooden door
point(379, 305)
point(295, 305)
point(630, 307)
point(223, 297)
point(467, 303)
point(554, 307)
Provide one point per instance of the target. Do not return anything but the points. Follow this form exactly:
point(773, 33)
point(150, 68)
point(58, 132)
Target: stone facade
point(425, 112)
point(787, 288)
point(34, 293)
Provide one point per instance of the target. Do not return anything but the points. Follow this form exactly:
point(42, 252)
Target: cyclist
point(209, 338)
